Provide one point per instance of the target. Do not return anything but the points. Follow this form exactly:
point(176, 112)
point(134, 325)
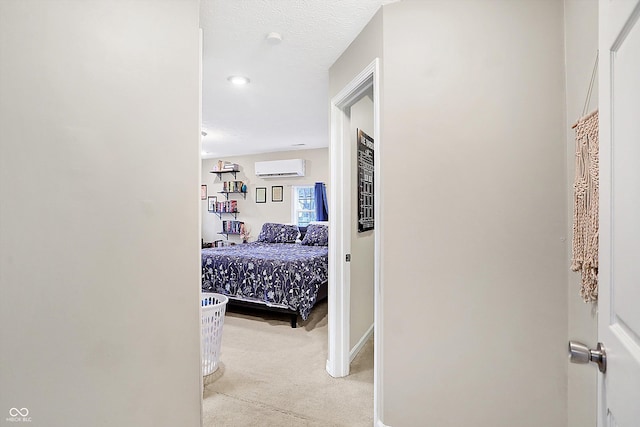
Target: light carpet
point(272, 375)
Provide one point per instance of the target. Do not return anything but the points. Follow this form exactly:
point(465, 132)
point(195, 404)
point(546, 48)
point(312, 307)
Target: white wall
point(581, 45)
point(252, 213)
point(364, 49)
point(99, 239)
point(362, 244)
point(472, 108)
point(475, 320)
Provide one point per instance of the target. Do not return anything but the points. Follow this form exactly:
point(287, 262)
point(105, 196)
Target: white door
point(619, 274)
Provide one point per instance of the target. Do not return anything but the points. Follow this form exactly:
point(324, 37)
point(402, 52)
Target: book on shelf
point(229, 206)
point(232, 186)
point(232, 227)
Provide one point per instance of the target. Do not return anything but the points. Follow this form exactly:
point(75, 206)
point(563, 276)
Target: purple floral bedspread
point(285, 274)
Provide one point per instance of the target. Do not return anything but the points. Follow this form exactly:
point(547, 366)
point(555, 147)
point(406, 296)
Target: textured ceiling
point(286, 103)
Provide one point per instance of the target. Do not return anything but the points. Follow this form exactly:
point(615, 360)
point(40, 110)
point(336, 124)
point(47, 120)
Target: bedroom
point(262, 202)
point(84, 185)
point(295, 132)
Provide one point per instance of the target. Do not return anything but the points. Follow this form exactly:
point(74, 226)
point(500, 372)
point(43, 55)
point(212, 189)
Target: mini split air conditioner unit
point(280, 168)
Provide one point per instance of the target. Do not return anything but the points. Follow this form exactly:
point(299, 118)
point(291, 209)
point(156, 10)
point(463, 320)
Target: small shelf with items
point(220, 213)
point(226, 193)
point(232, 227)
point(227, 234)
point(220, 173)
point(228, 207)
point(234, 187)
point(222, 167)
point(214, 244)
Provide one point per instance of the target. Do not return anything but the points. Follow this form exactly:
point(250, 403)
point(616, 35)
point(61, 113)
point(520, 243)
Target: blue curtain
point(322, 206)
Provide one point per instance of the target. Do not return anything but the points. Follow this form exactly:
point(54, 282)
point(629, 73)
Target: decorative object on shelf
point(261, 194)
point(365, 149)
point(245, 233)
point(276, 193)
point(203, 192)
point(229, 187)
point(244, 188)
point(211, 203)
point(232, 187)
point(221, 166)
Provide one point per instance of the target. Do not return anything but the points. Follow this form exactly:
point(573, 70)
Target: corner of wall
point(580, 50)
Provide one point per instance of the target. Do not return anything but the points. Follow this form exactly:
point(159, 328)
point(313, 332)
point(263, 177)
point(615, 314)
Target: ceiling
point(285, 105)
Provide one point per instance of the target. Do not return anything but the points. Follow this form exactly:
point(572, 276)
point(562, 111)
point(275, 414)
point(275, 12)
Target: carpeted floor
point(271, 375)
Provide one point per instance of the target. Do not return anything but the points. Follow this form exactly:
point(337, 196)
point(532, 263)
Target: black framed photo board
point(365, 182)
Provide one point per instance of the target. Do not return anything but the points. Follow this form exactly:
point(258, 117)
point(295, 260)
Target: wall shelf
point(226, 234)
point(220, 213)
point(220, 173)
point(226, 193)
point(230, 189)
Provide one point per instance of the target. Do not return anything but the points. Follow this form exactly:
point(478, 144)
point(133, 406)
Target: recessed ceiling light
point(274, 38)
point(239, 80)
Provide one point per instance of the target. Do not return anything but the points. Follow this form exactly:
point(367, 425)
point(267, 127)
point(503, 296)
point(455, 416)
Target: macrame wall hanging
point(585, 200)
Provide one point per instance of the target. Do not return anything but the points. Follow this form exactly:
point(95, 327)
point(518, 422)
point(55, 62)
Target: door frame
point(338, 359)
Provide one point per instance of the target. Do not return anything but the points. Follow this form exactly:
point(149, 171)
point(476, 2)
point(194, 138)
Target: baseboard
point(356, 349)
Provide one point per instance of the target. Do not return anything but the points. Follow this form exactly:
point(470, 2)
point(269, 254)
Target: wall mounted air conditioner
point(280, 168)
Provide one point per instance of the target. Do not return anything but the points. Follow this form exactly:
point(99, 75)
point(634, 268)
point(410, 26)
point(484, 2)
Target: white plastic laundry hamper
point(213, 308)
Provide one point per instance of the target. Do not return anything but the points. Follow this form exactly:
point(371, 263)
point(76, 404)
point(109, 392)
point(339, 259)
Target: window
point(304, 205)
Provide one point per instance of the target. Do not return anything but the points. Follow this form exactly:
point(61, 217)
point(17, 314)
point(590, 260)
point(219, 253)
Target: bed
point(275, 273)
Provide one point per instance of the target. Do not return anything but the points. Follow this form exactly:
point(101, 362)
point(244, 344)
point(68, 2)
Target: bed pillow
point(278, 233)
point(316, 235)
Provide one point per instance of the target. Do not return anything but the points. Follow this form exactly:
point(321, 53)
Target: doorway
point(340, 346)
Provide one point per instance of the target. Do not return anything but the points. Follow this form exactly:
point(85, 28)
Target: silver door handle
point(580, 353)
